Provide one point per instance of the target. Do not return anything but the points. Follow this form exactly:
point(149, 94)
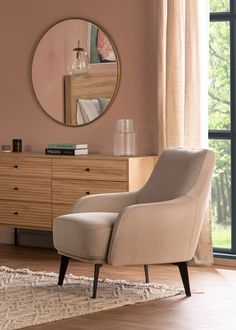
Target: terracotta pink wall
point(131, 24)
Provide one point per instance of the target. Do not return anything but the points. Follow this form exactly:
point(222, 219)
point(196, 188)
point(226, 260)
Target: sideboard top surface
point(89, 156)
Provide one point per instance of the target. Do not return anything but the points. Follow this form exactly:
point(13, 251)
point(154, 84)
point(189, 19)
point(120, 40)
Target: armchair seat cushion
point(84, 236)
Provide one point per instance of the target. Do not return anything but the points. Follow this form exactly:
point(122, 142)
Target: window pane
point(219, 5)
point(219, 76)
point(221, 194)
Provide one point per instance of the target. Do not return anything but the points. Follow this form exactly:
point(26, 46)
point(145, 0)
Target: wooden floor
point(212, 305)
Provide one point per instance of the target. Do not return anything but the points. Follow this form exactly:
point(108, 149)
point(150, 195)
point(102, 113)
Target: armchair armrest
point(113, 202)
point(159, 232)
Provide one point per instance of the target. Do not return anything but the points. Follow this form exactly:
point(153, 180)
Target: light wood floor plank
point(212, 305)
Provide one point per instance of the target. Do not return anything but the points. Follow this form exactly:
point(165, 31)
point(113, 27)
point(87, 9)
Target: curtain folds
point(182, 85)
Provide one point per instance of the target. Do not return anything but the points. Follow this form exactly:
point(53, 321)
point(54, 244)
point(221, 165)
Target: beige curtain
point(182, 85)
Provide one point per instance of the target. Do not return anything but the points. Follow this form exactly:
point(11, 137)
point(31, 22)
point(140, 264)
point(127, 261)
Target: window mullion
point(233, 123)
point(232, 6)
point(227, 148)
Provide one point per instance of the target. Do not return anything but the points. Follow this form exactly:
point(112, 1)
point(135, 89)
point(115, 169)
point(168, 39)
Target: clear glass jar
point(124, 138)
point(119, 145)
point(125, 126)
point(130, 144)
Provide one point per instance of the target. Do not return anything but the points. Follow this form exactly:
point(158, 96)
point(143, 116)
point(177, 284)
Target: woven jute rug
point(29, 298)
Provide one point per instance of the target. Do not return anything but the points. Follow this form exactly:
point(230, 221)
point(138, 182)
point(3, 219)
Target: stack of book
point(68, 149)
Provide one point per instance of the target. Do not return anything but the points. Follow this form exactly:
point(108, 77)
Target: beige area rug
point(29, 298)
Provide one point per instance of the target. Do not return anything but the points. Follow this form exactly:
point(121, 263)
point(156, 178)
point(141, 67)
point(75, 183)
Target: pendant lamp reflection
point(80, 63)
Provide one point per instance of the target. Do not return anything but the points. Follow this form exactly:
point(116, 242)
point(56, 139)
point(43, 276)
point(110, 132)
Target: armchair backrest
point(178, 188)
point(179, 171)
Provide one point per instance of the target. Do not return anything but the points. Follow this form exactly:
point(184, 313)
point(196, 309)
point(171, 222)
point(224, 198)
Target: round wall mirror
point(75, 72)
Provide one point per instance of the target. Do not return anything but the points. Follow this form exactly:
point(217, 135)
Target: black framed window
point(222, 123)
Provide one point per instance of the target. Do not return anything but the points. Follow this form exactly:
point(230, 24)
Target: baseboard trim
point(225, 262)
point(35, 238)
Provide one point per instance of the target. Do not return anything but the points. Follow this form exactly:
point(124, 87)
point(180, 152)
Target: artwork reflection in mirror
point(75, 72)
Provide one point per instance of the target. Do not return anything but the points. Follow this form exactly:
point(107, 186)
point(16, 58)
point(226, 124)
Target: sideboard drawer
point(90, 169)
point(68, 191)
point(60, 209)
point(19, 166)
point(36, 188)
point(18, 188)
point(25, 214)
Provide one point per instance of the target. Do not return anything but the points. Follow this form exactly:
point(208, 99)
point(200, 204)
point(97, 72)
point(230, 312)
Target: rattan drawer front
point(68, 191)
point(26, 214)
point(23, 166)
point(113, 170)
point(25, 188)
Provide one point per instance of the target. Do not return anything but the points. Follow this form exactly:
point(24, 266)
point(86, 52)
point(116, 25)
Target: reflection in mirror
point(75, 72)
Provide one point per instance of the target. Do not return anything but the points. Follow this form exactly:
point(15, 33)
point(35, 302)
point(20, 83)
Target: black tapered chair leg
point(95, 279)
point(183, 269)
point(63, 268)
point(146, 273)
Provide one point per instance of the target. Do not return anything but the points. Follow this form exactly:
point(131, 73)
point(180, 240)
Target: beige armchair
point(158, 224)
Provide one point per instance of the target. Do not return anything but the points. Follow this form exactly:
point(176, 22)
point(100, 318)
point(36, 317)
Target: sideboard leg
point(15, 236)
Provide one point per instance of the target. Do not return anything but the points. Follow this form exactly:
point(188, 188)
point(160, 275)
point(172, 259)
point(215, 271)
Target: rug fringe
point(85, 278)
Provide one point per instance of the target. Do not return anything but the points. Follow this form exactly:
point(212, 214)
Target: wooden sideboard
point(36, 188)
